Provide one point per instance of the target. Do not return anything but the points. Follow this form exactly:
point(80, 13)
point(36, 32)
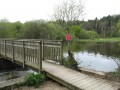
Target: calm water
point(97, 56)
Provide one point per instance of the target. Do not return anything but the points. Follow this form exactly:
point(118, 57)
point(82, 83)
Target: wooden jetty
point(36, 53)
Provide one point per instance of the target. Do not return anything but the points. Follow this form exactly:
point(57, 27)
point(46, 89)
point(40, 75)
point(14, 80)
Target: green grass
point(100, 40)
point(114, 75)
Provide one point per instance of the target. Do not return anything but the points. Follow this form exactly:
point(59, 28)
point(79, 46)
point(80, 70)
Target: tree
point(118, 28)
point(39, 29)
point(76, 31)
point(69, 10)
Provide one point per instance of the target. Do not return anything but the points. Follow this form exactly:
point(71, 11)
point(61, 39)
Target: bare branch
point(69, 10)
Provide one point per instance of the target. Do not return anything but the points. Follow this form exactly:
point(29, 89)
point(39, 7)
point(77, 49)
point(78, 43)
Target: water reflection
point(97, 62)
point(97, 56)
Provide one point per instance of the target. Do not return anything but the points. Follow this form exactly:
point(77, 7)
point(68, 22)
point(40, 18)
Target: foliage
point(91, 34)
point(37, 29)
point(9, 30)
point(42, 30)
point(118, 24)
point(108, 26)
point(114, 75)
point(83, 34)
point(76, 31)
point(118, 29)
point(34, 79)
point(57, 31)
point(105, 27)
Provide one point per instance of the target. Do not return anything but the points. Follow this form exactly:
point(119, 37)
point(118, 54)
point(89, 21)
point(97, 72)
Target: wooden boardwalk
point(35, 55)
point(76, 80)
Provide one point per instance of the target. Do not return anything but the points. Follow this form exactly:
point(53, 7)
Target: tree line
point(108, 26)
point(40, 29)
point(31, 30)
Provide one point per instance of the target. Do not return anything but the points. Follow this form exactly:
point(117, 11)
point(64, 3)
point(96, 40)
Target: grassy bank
point(114, 75)
point(100, 40)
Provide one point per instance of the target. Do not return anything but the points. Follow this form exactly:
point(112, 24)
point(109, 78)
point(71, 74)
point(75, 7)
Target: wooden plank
point(67, 84)
point(67, 75)
point(112, 86)
point(5, 49)
point(51, 46)
point(102, 86)
point(32, 65)
point(83, 82)
point(40, 56)
point(87, 83)
point(115, 88)
point(23, 51)
point(61, 52)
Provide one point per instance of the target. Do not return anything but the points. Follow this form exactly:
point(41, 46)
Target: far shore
point(99, 40)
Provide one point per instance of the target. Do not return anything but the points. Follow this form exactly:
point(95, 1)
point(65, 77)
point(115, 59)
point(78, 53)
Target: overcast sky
point(24, 10)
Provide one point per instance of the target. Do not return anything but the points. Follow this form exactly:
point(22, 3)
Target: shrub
point(75, 30)
point(92, 34)
point(34, 79)
point(82, 33)
point(114, 75)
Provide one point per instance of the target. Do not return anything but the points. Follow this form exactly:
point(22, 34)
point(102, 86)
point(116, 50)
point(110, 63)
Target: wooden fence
point(32, 52)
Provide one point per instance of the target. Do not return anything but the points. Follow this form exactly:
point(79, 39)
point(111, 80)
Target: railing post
point(0, 48)
point(40, 56)
point(5, 49)
point(62, 52)
point(42, 51)
point(13, 50)
point(23, 49)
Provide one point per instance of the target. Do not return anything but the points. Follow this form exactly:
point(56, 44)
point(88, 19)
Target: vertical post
point(62, 52)
point(23, 49)
point(40, 56)
point(0, 48)
point(5, 49)
point(13, 50)
point(69, 49)
point(42, 50)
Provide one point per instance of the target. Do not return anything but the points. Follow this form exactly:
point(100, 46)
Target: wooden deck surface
point(76, 80)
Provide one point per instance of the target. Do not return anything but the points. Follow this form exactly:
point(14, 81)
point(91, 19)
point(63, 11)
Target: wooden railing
point(32, 52)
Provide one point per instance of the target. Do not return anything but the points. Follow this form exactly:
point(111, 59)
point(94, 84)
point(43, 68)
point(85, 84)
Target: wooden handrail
point(30, 52)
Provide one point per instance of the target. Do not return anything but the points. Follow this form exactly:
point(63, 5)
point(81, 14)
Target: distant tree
point(91, 34)
point(105, 27)
point(38, 29)
point(76, 31)
point(118, 25)
point(82, 33)
point(4, 20)
point(69, 10)
point(3, 28)
point(118, 28)
point(57, 31)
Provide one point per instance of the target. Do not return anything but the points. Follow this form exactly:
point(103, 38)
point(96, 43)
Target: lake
point(100, 56)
